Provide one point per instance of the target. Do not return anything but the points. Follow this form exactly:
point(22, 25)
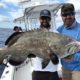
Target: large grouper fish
point(38, 43)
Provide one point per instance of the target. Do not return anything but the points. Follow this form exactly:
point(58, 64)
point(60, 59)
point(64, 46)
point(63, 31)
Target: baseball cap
point(67, 8)
point(45, 13)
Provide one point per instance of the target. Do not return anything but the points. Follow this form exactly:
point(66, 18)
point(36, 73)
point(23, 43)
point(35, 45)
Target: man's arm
point(10, 38)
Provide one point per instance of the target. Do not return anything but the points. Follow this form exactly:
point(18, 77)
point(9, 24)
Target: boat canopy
point(31, 14)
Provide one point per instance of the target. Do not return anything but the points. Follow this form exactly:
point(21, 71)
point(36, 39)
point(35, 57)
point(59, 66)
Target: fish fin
point(15, 63)
point(45, 63)
point(31, 56)
point(54, 59)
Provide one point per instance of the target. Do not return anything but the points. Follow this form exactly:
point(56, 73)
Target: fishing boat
point(30, 19)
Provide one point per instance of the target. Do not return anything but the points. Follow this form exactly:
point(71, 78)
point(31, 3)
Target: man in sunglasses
point(50, 71)
point(71, 28)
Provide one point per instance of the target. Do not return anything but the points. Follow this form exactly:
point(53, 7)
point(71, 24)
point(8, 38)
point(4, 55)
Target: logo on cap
point(45, 13)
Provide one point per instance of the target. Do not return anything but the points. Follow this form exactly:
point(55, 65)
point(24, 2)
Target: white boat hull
point(21, 72)
point(24, 72)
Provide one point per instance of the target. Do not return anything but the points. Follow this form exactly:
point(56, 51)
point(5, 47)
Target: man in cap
point(45, 18)
point(71, 28)
point(50, 71)
point(12, 39)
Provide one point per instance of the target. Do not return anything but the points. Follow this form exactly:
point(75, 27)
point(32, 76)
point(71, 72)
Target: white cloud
point(3, 18)
point(14, 2)
point(16, 14)
point(11, 1)
point(2, 5)
point(75, 2)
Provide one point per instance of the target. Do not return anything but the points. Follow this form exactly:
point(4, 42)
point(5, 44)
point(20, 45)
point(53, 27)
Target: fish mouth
point(14, 62)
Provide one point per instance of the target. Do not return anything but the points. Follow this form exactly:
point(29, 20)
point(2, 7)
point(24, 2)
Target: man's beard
point(45, 26)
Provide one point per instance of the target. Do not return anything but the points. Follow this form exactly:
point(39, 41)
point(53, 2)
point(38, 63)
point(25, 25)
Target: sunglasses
point(68, 14)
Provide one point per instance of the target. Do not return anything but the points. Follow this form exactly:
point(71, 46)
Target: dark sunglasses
point(68, 14)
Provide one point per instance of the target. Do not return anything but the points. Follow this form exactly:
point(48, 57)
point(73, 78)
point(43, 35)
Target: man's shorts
point(66, 74)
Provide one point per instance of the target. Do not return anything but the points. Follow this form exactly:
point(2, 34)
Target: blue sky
point(10, 9)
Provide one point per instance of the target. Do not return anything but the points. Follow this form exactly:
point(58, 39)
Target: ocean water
point(4, 34)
